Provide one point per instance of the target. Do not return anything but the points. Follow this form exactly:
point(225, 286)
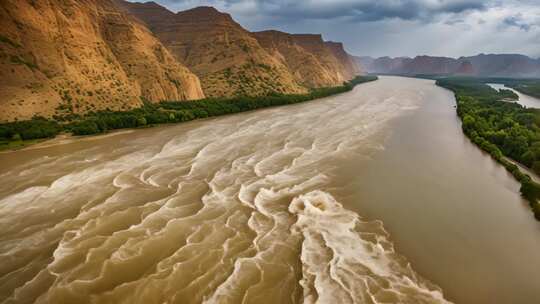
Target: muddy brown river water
point(372, 196)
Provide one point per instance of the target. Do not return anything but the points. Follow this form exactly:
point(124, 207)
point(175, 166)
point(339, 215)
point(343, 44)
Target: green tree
point(141, 121)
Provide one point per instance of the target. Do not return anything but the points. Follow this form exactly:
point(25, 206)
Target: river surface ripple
point(238, 209)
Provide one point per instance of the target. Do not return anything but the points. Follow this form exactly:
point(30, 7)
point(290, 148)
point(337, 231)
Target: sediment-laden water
point(284, 205)
point(523, 99)
point(229, 210)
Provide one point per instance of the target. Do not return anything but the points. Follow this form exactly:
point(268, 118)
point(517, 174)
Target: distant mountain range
point(482, 65)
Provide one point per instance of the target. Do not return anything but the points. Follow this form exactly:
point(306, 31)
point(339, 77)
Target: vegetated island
point(18, 134)
point(505, 130)
point(526, 86)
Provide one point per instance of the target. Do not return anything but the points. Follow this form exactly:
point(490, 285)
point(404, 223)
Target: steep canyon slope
point(231, 60)
point(59, 57)
point(227, 59)
point(63, 57)
point(314, 65)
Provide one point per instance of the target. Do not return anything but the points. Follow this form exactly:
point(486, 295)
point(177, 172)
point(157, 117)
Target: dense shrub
point(501, 128)
point(29, 129)
point(163, 112)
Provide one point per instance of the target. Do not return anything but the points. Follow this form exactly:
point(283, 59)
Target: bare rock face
point(61, 57)
point(330, 54)
point(347, 64)
point(465, 69)
point(431, 65)
point(227, 59)
point(74, 56)
point(389, 65)
point(305, 66)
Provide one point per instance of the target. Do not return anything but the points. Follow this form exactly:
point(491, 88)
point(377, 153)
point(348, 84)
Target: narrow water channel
point(524, 100)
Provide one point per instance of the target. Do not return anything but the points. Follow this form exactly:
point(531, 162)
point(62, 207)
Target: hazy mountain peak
point(485, 65)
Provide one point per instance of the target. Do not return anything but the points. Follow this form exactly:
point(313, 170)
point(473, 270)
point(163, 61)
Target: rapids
point(235, 209)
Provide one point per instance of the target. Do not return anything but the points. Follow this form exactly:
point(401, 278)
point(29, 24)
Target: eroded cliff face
point(465, 69)
point(305, 66)
point(73, 56)
point(431, 65)
point(60, 57)
point(347, 64)
point(328, 54)
point(228, 60)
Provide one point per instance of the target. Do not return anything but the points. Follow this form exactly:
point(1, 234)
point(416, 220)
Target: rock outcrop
point(226, 57)
point(429, 65)
point(306, 67)
point(382, 65)
point(347, 64)
point(63, 57)
point(74, 56)
point(465, 69)
point(327, 53)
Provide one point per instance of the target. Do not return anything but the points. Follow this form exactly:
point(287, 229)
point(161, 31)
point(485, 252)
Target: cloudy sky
point(396, 27)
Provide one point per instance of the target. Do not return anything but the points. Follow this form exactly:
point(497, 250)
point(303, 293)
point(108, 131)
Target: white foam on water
point(339, 265)
point(232, 211)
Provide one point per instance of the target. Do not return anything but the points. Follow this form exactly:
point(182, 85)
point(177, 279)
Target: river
point(365, 197)
point(523, 99)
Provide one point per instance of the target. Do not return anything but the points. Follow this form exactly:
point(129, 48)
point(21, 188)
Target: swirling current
point(236, 209)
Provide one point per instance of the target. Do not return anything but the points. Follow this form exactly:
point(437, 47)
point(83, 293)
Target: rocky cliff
point(382, 65)
point(72, 56)
point(327, 53)
point(429, 65)
point(308, 69)
point(226, 57)
point(465, 69)
point(61, 57)
point(347, 64)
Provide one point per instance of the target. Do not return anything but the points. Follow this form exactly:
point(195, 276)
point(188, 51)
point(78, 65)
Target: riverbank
point(529, 87)
point(237, 203)
point(525, 100)
point(25, 133)
point(189, 188)
point(62, 139)
point(455, 213)
point(502, 129)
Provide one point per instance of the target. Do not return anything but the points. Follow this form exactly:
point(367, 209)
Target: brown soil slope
point(348, 66)
point(227, 59)
point(305, 66)
point(63, 56)
point(329, 54)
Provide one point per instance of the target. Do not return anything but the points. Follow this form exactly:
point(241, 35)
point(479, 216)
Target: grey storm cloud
point(517, 21)
point(361, 10)
point(395, 27)
point(377, 10)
